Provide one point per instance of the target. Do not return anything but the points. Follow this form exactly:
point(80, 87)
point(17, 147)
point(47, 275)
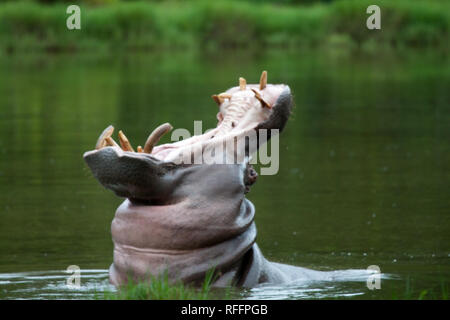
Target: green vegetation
point(159, 288)
point(139, 25)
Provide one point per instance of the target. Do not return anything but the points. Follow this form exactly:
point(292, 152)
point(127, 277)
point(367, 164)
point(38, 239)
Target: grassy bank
point(219, 24)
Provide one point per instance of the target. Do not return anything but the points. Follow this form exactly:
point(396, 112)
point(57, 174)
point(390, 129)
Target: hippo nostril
point(233, 124)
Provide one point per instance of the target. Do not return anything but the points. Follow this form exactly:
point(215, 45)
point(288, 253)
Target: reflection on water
point(364, 162)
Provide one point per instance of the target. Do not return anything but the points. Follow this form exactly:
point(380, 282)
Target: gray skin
point(188, 218)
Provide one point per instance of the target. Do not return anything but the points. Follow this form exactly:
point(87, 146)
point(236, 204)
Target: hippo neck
point(210, 228)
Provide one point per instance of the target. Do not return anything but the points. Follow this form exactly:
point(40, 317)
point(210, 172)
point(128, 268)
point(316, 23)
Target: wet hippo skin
point(188, 218)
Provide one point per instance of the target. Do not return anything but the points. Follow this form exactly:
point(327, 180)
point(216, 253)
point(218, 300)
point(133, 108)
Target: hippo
point(183, 217)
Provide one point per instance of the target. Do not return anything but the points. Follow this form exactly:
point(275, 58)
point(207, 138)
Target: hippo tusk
point(126, 146)
point(105, 134)
point(263, 103)
point(263, 80)
point(242, 83)
point(139, 149)
point(154, 137)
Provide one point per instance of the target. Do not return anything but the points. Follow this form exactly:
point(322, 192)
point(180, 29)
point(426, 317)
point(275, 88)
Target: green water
point(364, 163)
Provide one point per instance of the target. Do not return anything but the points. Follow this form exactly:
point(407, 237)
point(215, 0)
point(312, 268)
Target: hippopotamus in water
point(185, 218)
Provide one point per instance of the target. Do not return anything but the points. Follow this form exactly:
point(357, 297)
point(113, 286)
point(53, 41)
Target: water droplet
point(349, 253)
point(394, 261)
point(374, 215)
point(364, 254)
point(294, 233)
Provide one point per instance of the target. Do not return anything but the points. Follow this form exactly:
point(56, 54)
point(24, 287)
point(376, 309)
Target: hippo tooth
point(263, 103)
point(105, 134)
point(139, 149)
point(154, 137)
point(242, 83)
point(110, 142)
point(263, 80)
point(126, 146)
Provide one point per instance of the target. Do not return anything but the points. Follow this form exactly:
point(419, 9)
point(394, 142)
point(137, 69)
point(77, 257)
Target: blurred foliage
point(145, 25)
point(98, 2)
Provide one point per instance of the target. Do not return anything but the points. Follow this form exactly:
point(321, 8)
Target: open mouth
point(244, 112)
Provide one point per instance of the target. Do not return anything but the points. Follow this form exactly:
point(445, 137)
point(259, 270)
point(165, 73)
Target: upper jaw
point(240, 113)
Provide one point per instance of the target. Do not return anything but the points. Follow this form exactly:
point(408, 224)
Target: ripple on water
point(335, 284)
point(52, 284)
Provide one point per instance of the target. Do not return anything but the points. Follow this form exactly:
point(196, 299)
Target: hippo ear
point(132, 175)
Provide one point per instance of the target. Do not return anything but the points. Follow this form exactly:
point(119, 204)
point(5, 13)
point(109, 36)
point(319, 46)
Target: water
point(364, 164)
